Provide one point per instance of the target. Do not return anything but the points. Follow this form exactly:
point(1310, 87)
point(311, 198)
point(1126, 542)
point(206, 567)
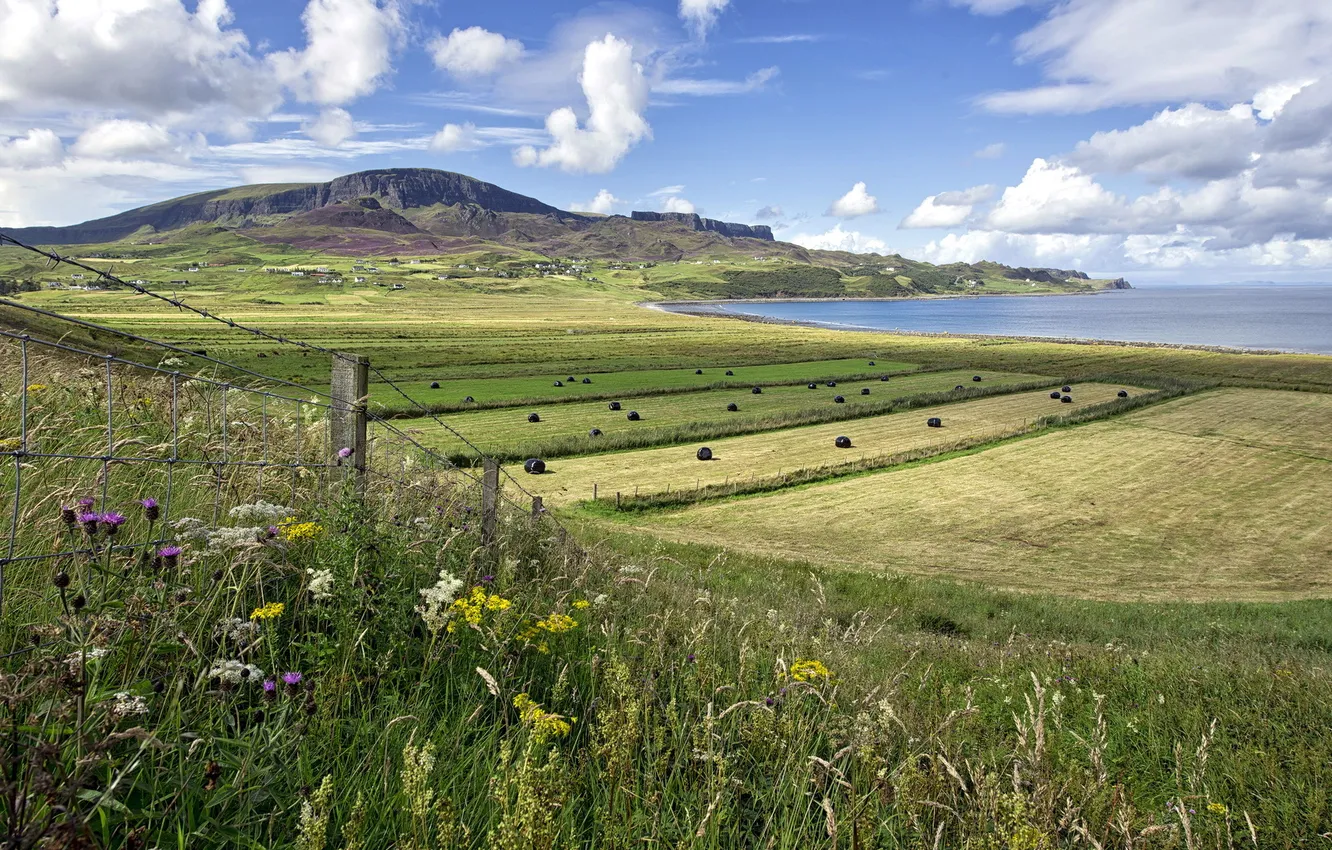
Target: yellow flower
point(1218, 809)
point(36, 388)
point(297, 532)
point(544, 725)
point(10, 444)
point(810, 670)
point(582, 605)
point(557, 624)
point(471, 608)
point(271, 611)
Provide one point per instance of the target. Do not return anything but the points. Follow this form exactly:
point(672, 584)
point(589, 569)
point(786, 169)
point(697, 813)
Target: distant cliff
point(724, 228)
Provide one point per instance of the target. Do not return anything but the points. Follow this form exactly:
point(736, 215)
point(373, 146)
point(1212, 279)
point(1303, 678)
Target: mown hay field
point(497, 430)
point(772, 454)
point(1183, 501)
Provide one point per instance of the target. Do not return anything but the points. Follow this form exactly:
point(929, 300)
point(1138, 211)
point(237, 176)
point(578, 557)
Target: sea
point(1280, 317)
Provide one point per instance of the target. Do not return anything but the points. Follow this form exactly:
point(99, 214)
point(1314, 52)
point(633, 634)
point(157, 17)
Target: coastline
point(683, 308)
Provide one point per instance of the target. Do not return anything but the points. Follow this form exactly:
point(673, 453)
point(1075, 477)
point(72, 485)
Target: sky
point(1168, 140)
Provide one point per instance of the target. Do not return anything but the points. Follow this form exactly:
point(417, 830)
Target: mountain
point(423, 210)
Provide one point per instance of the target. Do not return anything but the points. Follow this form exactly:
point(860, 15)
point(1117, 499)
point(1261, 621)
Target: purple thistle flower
point(89, 522)
point(69, 515)
point(291, 678)
point(270, 689)
point(169, 554)
point(150, 509)
point(87, 502)
point(272, 532)
point(344, 453)
point(112, 521)
point(691, 658)
point(487, 579)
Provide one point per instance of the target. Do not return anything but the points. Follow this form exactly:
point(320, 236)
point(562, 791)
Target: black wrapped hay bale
point(1066, 388)
point(871, 362)
point(934, 422)
point(1123, 393)
point(559, 383)
point(864, 390)
point(587, 380)
point(572, 379)
point(757, 391)
point(1055, 395)
point(633, 416)
point(595, 432)
point(976, 378)
point(959, 387)
point(883, 377)
point(842, 442)
point(832, 383)
point(733, 407)
point(813, 386)
point(698, 371)
point(534, 466)
point(1068, 399)
point(838, 400)
point(532, 417)
point(469, 400)
point(614, 405)
point(705, 453)
point(729, 372)
point(434, 385)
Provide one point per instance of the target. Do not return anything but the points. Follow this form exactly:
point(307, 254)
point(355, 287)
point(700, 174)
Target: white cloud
point(667, 190)
point(993, 151)
point(348, 52)
point(947, 209)
point(333, 127)
point(701, 15)
point(1054, 197)
point(36, 149)
point(856, 202)
point(838, 239)
point(617, 94)
point(676, 205)
point(474, 52)
point(753, 82)
point(793, 38)
point(604, 203)
point(1269, 102)
point(769, 213)
point(1192, 141)
point(455, 137)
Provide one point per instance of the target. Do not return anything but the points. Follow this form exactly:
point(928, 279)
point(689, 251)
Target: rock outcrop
point(694, 222)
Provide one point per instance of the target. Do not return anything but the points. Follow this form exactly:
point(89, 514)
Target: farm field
point(771, 454)
point(1102, 511)
point(564, 428)
point(541, 387)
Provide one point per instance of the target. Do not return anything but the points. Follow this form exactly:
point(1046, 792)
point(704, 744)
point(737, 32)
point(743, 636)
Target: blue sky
point(1160, 139)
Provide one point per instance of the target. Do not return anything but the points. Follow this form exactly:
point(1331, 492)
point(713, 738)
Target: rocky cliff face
point(724, 228)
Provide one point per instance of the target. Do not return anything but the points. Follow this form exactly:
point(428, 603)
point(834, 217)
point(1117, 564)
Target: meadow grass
point(1122, 509)
point(772, 454)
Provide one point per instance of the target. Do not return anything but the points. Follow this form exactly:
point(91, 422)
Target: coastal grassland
point(772, 454)
point(1132, 508)
point(672, 418)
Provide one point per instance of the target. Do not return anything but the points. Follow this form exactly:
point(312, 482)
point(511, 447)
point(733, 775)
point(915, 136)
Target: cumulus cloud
point(854, 203)
point(333, 127)
point(838, 239)
point(947, 209)
point(617, 94)
point(455, 137)
point(769, 213)
point(1192, 141)
point(676, 205)
point(348, 52)
point(1121, 52)
point(701, 15)
point(36, 149)
point(604, 203)
point(474, 52)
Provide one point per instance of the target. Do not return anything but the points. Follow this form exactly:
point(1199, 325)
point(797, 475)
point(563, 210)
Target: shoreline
point(682, 308)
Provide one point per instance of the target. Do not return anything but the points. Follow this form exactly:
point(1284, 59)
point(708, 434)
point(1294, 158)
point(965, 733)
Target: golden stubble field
point(771, 454)
point(1219, 496)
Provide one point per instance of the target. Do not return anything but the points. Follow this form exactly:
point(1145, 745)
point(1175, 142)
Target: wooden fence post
point(489, 502)
point(537, 508)
point(351, 385)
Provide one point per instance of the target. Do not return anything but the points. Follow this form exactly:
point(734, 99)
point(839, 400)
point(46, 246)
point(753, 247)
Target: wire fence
point(138, 444)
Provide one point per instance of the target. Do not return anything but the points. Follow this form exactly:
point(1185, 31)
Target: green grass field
point(564, 428)
point(769, 455)
point(1159, 505)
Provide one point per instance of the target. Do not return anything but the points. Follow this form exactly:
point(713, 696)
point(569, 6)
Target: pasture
point(770, 455)
point(1166, 503)
point(564, 429)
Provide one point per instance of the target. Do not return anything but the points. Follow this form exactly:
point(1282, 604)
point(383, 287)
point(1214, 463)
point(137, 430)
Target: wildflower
point(810, 670)
point(11, 444)
point(173, 362)
point(297, 532)
point(1218, 809)
point(599, 599)
point(544, 725)
point(344, 452)
point(270, 689)
point(582, 605)
point(69, 516)
point(472, 608)
point(127, 705)
point(271, 611)
point(234, 672)
point(36, 388)
point(78, 602)
point(292, 680)
point(557, 624)
point(321, 584)
point(436, 601)
point(61, 580)
point(487, 579)
point(691, 658)
point(112, 522)
point(236, 630)
point(75, 660)
point(169, 555)
point(89, 522)
point(150, 509)
point(259, 512)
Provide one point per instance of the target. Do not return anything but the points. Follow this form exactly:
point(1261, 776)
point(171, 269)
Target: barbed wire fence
point(182, 436)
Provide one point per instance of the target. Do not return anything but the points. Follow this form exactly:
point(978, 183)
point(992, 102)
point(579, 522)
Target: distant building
point(399, 286)
point(360, 280)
